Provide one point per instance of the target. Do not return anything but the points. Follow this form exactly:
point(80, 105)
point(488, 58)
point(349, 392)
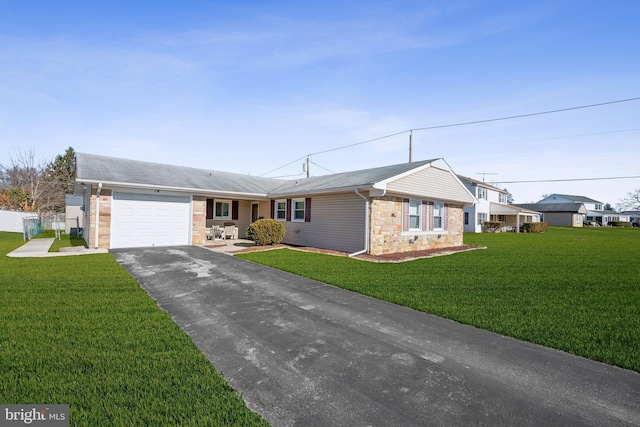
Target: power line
point(567, 179)
point(530, 114)
point(321, 167)
point(546, 138)
point(519, 116)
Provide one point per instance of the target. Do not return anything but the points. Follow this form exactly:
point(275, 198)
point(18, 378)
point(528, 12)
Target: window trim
point(484, 195)
point(276, 210)
point(420, 215)
point(215, 210)
point(294, 210)
point(441, 216)
point(486, 218)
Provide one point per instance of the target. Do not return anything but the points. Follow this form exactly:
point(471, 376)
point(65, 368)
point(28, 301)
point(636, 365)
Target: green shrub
point(493, 226)
point(266, 232)
point(619, 223)
point(535, 227)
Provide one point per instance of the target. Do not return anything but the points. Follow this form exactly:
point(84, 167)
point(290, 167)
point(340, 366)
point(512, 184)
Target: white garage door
point(139, 220)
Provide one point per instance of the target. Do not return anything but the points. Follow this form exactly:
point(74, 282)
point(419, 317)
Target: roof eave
point(171, 188)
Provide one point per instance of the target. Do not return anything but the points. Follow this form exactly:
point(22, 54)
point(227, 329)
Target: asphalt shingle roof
point(97, 168)
point(552, 207)
point(577, 199)
point(345, 180)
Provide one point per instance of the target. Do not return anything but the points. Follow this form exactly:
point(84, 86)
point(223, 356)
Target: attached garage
point(142, 220)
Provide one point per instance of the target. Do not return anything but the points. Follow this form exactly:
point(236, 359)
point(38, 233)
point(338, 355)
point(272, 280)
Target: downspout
point(97, 215)
point(366, 226)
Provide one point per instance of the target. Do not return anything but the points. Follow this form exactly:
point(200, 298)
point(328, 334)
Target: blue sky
point(251, 86)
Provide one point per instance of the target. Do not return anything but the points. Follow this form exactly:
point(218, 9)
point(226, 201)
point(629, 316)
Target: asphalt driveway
point(306, 353)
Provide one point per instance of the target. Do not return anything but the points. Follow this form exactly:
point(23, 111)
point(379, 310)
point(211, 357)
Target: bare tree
point(24, 183)
point(631, 202)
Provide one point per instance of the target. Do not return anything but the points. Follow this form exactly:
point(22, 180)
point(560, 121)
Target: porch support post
point(518, 222)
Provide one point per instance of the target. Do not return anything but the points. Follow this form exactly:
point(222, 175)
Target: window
point(415, 211)
point(466, 218)
point(298, 210)
point(598, 206)
point(482, 218)
point(482, 193)
point(222, 209)
point(502, 218)
point(281, 210)
point(437, 216)
point(502, 198)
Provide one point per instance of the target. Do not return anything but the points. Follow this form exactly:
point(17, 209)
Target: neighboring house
point(559, 214)
point(399, 208)
point(492, 206)
point(74, 215)
point(595, 212)
point(634, 217)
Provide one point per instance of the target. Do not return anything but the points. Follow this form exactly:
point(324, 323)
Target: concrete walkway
point(39, 248)
point(305, 353)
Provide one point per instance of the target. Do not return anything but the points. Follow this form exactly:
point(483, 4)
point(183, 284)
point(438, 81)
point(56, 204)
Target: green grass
point(576, 290)
point(81, 331)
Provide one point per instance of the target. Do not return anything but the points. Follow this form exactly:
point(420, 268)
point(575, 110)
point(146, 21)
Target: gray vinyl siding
point(337, 222)
point(433, 184)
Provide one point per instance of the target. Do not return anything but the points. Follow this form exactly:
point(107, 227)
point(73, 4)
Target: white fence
point(13, 220)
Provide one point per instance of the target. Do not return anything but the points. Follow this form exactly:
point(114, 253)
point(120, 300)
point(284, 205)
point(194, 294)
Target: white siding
point(337, 222)
point(432, 184)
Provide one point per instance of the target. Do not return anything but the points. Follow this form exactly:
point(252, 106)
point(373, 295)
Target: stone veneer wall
point(386, 229)
point(104, 234)
point(199, 220)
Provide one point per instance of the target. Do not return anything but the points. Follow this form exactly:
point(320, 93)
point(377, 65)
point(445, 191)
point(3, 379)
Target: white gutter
point(177, 189)
point(366, 226)
point(97, 214)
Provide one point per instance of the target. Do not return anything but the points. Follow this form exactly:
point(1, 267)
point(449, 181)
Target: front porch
point(512, 216)
point(229, 246)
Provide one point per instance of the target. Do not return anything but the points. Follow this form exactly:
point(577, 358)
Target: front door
point(254, 212)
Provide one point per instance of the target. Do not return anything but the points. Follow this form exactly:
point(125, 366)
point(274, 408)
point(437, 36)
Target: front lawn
point(66, 240)
point(80, 331)
point(576, 290)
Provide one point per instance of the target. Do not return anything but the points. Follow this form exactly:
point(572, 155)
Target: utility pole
point(410, 146)
point(307, 166)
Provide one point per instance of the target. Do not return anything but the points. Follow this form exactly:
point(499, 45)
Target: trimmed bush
point(493, 226)
point(619, 223)
point(266, 232)
point(535, 227)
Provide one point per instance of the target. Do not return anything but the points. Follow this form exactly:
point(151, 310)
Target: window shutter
point(273, 209)
point(445, 217)
point(405, 214)
point(234, 209)
point(307, 209)
point(425, 209)
point(209, 208)
point(288, 215)
point(430, 214)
